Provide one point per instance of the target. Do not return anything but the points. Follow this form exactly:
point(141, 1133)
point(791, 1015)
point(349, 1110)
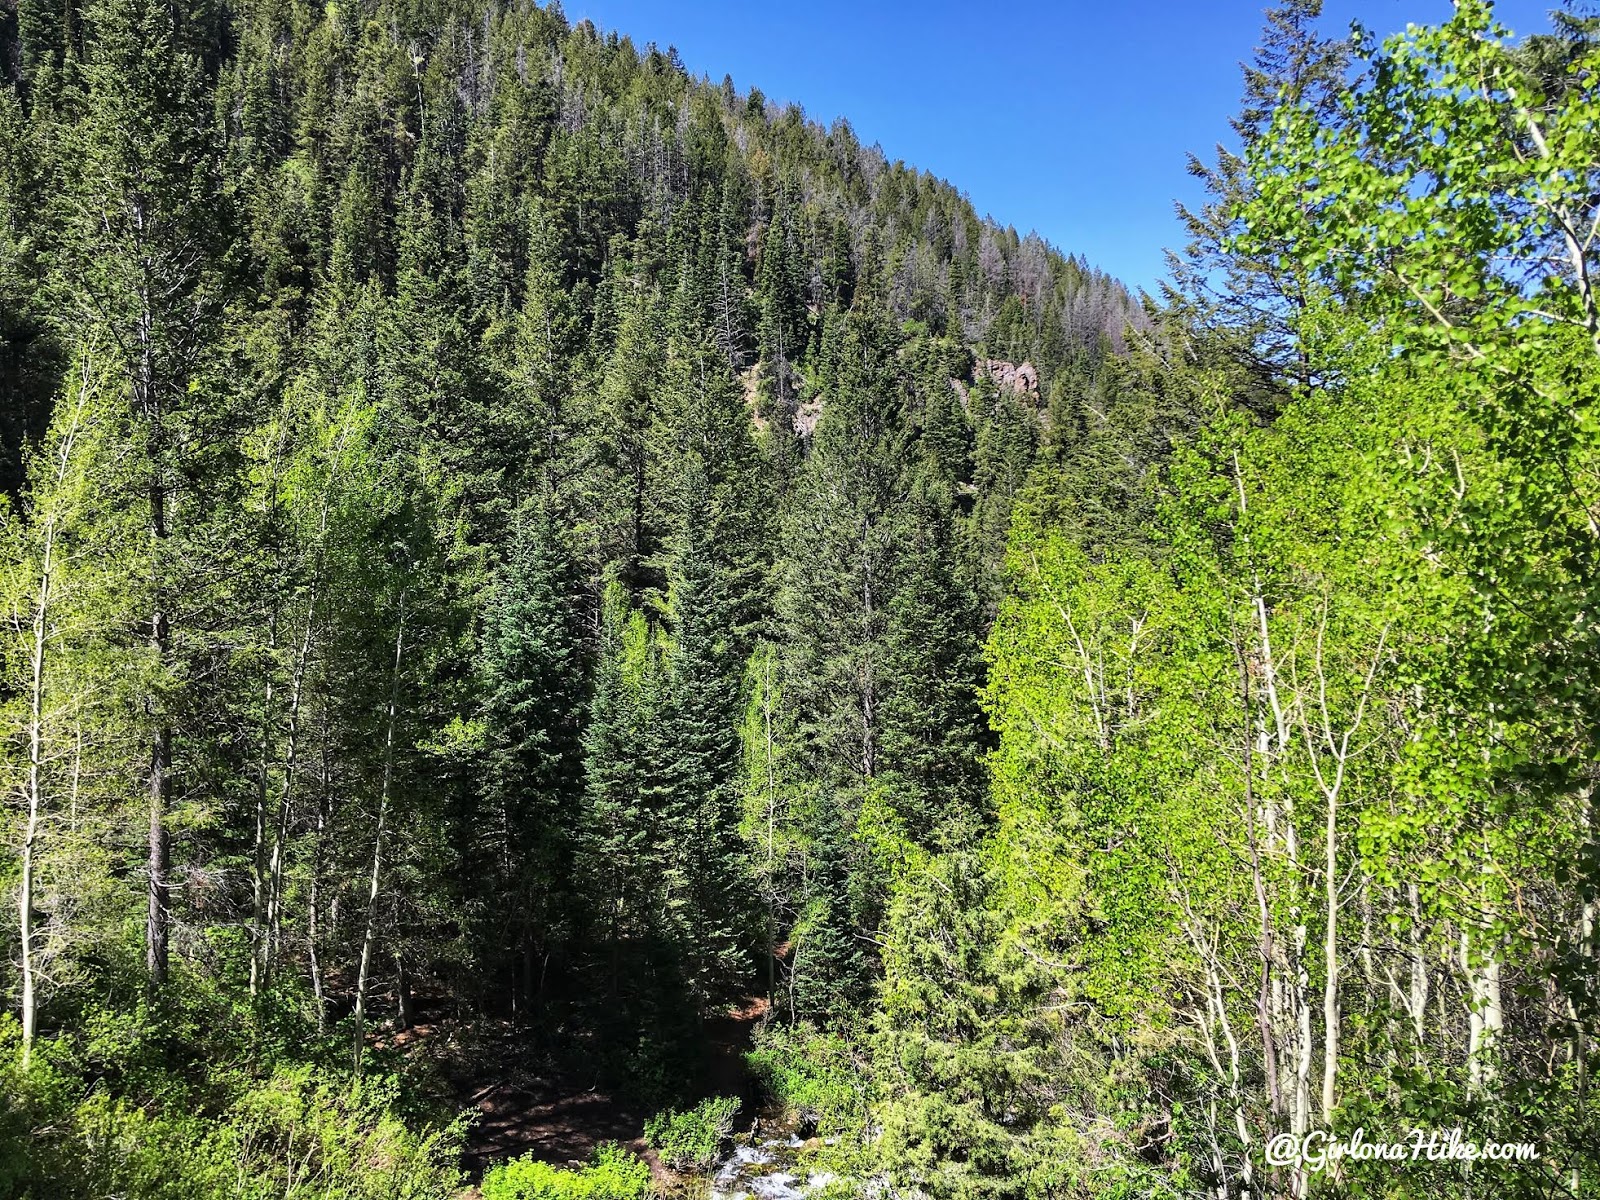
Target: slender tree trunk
point(314, 903)
point(402, 991)
point(1264, 999)
point(36, 729)
point(1586, 948)
point(291, 770)
point(258, 907)
point(1330, 950)
point(275, 867)
point(148, 401)
point(1332, 791)
point(1486, 1015)
point(30, 834)
point(160, 850)
point(364, 972)
point(1302, 1009)
point(1419, 971)
point(367, 939)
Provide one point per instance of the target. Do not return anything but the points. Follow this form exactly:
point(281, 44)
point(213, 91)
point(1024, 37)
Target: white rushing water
point(767, 1170)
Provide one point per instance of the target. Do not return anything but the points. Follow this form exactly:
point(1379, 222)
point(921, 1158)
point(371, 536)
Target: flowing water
point(767, 1169)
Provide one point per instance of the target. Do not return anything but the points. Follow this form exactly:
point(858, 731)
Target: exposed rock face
point(1011, 376)
point(1020, 378)
point(806, 417)
point(750, 385)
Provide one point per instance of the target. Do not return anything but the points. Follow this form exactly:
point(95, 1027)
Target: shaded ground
point(550, 1120)
point(730, 1037)
point(561, 1120)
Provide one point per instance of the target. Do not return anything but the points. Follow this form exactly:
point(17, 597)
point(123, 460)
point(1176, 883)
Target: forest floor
point(562, 1120)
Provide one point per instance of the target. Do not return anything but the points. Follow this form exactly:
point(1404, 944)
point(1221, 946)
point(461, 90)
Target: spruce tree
point(702, 753)
point(534, 673)
point(934, 730)
point(140, 249)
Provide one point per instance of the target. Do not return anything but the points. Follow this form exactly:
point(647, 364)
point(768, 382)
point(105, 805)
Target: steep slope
point(511, 529)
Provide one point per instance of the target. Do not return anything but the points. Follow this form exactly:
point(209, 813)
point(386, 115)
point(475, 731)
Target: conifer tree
point(780, 294)
point(934, 730)
point(532, 662)
point(701, 745)
point(139, 246)
point(842, 539)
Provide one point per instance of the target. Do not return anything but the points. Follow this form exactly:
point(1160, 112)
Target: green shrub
point(613, 1174)
point(125, 1110)
point(814, 1076)
point(691, 1141)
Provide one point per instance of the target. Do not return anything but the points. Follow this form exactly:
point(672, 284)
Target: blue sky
point(1070, 118)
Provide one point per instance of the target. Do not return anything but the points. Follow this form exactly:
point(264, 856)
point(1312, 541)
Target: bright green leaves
point(1453, 192)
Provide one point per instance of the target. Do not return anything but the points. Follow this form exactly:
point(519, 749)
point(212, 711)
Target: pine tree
point(533, 706)
point(730, 316)
point(702, 754)
point(140, 245)
point(828, 973)
point(782, 330)
point(935, 733)
point(30, 357)
point(842, 536)
point(621, 878)
point(1253, 301)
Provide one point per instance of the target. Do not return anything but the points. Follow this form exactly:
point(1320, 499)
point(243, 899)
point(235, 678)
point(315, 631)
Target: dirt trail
point(730, 1038)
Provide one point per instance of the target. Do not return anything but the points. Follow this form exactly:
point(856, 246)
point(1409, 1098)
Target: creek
point(767, 1168)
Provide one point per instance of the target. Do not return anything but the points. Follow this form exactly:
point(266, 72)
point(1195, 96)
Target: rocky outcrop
point(1011, 376)
point(807, 416)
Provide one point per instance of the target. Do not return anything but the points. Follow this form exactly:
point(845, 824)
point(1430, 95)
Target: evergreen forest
point(533, 584)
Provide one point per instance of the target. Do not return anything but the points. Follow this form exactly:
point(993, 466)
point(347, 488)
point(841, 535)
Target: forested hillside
point(511, 551)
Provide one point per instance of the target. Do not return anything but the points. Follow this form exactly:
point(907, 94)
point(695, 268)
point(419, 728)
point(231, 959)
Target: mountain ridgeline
point(513, 552)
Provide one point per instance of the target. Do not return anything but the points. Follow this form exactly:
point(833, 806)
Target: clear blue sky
point(1071, 118)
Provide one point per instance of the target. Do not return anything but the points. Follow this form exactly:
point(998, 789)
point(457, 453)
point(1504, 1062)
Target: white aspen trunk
point(311, 925)
point(314, 903)
point(291, 768)
point(1241, 1125)
point(1586, 948)
point(1330, 950)
point(1302, 1007)
point(1487, 1017)
point(296, 693)
point(1266, 996)
point(1297, 993)
point(1291, 1013)
point(39, 648)
point(258, 895)
point(41, 609)
point(1419, 971)
point(364, 972)
point(1476, 1004)
point(1446, 958)
point(1494, 1018)
point(365, 969)
point(1332, 790)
